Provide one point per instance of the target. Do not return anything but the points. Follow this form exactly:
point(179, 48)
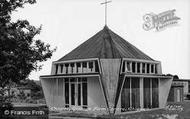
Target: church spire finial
point(105, 3)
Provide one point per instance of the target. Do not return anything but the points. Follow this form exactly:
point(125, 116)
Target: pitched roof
point(105, 44)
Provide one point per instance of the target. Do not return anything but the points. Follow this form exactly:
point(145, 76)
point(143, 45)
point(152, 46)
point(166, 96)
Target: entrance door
point(76, 92)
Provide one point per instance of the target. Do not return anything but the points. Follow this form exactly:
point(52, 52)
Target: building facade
point(106, 72)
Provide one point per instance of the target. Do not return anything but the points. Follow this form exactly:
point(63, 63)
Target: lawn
point(179, 110)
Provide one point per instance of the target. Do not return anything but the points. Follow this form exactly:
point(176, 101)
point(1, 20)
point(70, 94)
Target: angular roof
point(105, 44)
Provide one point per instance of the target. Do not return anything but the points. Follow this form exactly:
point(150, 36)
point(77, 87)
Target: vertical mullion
point(151, 92)
point(141, 93)
point(130, 89)
point(81, 92)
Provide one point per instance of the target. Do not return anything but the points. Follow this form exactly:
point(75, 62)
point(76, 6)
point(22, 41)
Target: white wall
point(164, 88)
point(53, 92)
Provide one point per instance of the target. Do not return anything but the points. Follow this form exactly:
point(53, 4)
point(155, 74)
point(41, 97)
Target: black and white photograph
point(94, 59)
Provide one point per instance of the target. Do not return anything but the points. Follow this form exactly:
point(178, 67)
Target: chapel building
point(108, 72)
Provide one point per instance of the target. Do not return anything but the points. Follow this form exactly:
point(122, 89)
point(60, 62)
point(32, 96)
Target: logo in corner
point(160, 21)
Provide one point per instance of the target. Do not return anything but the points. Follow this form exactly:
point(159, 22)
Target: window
point(189, 86)
point(143, 68)
point(152, 68)
point(61, 68)
point(66, 66)
point(78, 66)
point(138, 67)
point(135, 93)
point(96, 66)
point(84, 64)
point(155, 101)
point(84, 92)
point(124, 68)
point(146, 91)
point(130, 96)
point(148, 68)
point(150, 89)
point(155, 69)
point(133, 67)
point(56, 69)
point(128, 66)
point(72, 67)
point(90, 65)
point(76, 90)
point(66, 92)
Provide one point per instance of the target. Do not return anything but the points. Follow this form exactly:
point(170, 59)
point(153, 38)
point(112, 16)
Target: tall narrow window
point(61, 68)
point(155, 98)
point(133, 67)
point(155, 69)
point(66, 92)
point(72, 67)
point(143, 67)
point(189, 86)
point(152, 68)
point(124, 67)
point(84, 92)
point(148, 68)
point(56, 68)
point(91, 66)
point(78, 66)
point(138, 67)
point(135, 92)
point(146, 92)
point(125, 95)
point(128, 66)
point(79, 94)
point(66, 66)
point(72, 94)
point(96, 66)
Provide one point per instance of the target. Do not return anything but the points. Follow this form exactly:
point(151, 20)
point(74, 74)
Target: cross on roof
point(105, 3)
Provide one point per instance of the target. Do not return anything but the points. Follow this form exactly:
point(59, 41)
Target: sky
point(68, 23)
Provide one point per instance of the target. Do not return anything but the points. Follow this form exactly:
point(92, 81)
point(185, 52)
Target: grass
point(179, 110)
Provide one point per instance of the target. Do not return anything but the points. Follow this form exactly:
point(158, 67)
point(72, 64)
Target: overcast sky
point(68, 23)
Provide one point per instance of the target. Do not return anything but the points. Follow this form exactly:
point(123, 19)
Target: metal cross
point(106, 2)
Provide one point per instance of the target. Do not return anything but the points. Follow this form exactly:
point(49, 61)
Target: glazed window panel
point(76, 92)
point(152, 68)
point(125, 95)
point(133, 67)
point(79, 94)
point(143, 68)
point(135, 86)
point(84, 94)
point(78, 67)
point(67, 68)
point(155, 97)
point(124, 68)
point(128, 66)
point(72, 94)
point(56, 68)
point(66, 92)
point(138, 67)
point(96, 66)
point(146, 91)
point(147, 68)
point(155, 69)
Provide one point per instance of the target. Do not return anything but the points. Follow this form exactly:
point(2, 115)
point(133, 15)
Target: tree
point(20, 52)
